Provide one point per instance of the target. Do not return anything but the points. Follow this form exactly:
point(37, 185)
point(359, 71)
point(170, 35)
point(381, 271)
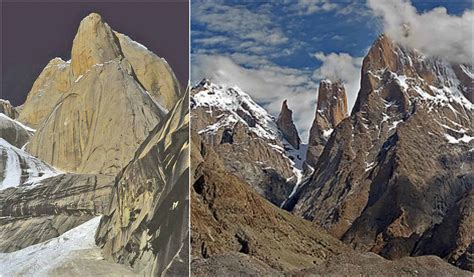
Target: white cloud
point(208, 41)
point(308, 7)
point(245, 30)
point(434, 32)
point(268, 84)
point(342, 67)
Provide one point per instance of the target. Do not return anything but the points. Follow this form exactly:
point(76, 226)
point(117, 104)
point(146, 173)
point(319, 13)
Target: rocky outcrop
point(401, 165)
point(83, 131)
point(13, 132)
point(146, 225)
point(53, 82)
point(153, 72)
point(247, 139)
point(331, 109)
point(7, 109)
point(287, 127)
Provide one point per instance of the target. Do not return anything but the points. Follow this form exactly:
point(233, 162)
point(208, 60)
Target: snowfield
point(39, 259)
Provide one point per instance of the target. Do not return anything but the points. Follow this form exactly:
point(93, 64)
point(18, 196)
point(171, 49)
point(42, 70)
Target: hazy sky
point(34, 33)
point(276, 50)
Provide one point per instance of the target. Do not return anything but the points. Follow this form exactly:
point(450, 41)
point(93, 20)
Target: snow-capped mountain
point(247, 138)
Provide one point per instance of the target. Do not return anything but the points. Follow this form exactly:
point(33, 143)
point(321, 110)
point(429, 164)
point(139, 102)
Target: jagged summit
point(394, 177)
point(415, 77)
point(240, 106)
point(287, 127)
point(331, 109)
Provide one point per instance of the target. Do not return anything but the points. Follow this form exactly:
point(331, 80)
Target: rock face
point(349, 264)
point(7, 109)
point(53, 82)
point(85, 131)
point(146, 226)
point(331, 109)
point(394, 175)
point(287, 127)
point(153, 72)
point(247, 139)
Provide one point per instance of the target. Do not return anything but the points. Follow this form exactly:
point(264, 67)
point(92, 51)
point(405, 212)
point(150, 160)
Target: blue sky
point(280, 50)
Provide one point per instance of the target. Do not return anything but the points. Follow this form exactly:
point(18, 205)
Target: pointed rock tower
point(287, 127)
point(95, 43)
point(98, 110)
point(331, 109)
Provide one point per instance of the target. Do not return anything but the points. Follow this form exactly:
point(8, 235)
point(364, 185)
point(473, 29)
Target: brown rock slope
point(236, 232)
point(146, 226)
point(245, 137)
point(228, 216)
point(53, 82)
point(399, 169)
point(331, 109)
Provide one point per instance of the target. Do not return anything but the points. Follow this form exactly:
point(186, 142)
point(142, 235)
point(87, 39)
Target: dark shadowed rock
point(331, 109)
point(287, 127)
point(146, 226)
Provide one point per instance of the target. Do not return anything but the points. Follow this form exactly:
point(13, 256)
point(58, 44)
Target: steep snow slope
point(19, 168)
